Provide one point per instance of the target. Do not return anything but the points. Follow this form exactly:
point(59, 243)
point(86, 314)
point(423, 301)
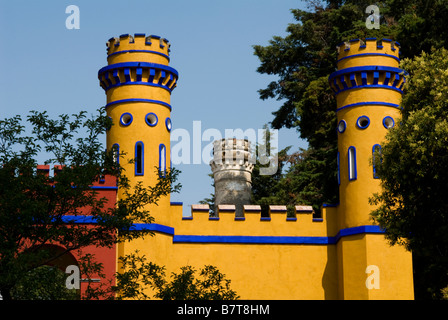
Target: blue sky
point(45, 66)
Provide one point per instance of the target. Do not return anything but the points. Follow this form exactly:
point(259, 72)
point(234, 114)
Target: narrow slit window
point(139, 161)
point(352, 172)
point(376, 151)
point(162, 160)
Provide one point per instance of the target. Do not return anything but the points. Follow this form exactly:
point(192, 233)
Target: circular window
point(362, 122)
point(126, 119)
point(341, 126)
point(168, 124)
point(388, 122)
point(151, 119)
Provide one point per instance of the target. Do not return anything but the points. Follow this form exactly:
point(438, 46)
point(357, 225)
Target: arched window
point(162, 160)
point(352, 171)
point(139, 158)
point(376, 150)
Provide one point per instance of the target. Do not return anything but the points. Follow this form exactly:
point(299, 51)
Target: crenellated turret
point(138, 83)
point(368, 87)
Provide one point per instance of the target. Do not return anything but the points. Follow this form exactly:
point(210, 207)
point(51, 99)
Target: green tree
point(138, 275)
point(44, 283)
point(36, 210)
point(413, 168)
point(306, 56)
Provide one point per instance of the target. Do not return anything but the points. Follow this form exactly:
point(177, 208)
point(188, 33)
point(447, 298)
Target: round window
point(388, 122)
point(151, 119)
point(362, 122)
point(126, 119)
point(341, 126)
point(168, 124)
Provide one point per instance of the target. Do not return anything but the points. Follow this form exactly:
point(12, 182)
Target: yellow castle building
point(341, 255)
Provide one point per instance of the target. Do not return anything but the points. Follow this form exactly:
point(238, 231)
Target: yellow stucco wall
point(302, 258)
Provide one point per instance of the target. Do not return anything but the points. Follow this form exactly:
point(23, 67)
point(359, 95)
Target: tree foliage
point(302, 62)
point(413, 168)
point(38, 210)
point(138, 277)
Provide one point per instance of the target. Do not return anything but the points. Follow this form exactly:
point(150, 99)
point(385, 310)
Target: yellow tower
point(138, 84)
point(368, 88)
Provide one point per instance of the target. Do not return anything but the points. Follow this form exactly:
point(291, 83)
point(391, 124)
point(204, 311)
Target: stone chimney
point(232, 167)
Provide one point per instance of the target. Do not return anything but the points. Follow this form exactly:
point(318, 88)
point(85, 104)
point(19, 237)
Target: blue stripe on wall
point(293, 240)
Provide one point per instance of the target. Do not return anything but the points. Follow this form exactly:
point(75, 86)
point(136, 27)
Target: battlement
point(369, 63)
point(138, 47)
point(371, 51)
point(276, 224)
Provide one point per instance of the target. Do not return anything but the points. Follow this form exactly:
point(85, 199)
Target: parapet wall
point(278, 225)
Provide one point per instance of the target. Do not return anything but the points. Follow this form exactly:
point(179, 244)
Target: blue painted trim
point(364, 78)
point(376, 77)
point(353, 79)
point(366, 68)
point(138, 74)
point(149, 123)
point(345, 126)
point(152, 74)
point(368, 229)
point(330, 205)
point(252, 239)
point(355, 171)
point(142, 160)
point(369, 103)
point(387, 78)
point(103, 188)
point(358, 230)
point(152, 227)
point(176, 203)
point(121, 119)
point(138, 64)
point(142, 83)
point(168, 124)
point(139, 100)
point(370, 54)
point(162, 77)
point(116, 77)
point(364, 127)
point(127, 74)
point(375, 176)
point(79, 219)
point(140, 51)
